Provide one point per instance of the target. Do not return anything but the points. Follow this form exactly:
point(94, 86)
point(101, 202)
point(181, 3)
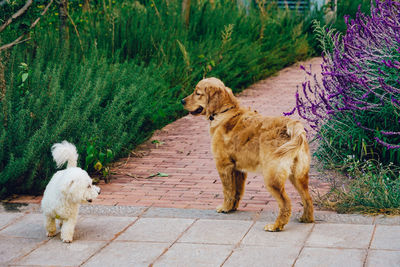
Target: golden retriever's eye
point(197, 93)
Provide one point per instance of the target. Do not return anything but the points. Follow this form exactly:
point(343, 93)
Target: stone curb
point(155, 212)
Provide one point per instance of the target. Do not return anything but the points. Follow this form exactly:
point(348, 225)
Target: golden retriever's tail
point(298, 139)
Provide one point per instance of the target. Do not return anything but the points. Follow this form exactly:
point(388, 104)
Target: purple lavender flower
point(360, 78)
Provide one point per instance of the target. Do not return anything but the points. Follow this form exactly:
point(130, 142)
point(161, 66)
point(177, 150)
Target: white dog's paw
point(67, 240)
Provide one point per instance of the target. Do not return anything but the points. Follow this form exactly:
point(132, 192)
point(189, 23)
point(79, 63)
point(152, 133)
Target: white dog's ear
point(73, 191)
point(77, 190)
point(67, 187)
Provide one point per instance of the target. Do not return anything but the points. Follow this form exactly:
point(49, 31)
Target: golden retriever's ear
point(213, 100)
point(218, 99)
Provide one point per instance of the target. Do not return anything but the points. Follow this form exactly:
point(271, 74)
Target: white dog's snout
point(98, 189)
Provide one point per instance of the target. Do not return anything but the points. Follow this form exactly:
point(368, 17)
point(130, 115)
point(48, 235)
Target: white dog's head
point(79, 188)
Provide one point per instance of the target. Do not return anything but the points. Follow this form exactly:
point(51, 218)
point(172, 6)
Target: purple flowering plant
point(355, 107)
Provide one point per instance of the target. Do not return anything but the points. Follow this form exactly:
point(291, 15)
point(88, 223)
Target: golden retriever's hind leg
point(300, 182)
point(240, 179)
point(275, 185)
point(226, 174)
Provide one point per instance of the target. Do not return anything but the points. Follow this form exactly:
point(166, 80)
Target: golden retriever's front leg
point(226, 171)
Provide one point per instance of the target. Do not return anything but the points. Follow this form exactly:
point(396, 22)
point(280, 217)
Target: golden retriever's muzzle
point(197, 111)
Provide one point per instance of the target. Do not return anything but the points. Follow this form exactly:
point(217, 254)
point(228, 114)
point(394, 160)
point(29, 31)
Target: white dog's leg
point(68, 228)
point(51, 227)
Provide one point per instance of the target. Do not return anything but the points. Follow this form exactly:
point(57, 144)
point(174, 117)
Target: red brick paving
point(185, 155)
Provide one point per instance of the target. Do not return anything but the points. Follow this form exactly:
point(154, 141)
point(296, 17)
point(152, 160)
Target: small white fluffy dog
point(65, 192)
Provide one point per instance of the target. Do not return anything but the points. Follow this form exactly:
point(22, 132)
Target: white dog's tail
point(65, 152)
point(298, 139)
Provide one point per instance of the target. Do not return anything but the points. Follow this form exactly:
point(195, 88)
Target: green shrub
point(371, 188)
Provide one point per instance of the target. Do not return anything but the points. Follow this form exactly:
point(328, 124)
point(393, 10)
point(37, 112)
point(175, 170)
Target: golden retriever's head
point(209, 98)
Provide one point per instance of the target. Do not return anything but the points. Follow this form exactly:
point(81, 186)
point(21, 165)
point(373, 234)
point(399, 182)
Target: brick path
point(182, 151)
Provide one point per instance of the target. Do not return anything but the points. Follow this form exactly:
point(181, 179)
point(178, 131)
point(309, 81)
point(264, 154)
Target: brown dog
point(243, 140)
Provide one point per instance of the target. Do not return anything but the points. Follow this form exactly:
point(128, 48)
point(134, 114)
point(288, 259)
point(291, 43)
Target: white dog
point(66, 190)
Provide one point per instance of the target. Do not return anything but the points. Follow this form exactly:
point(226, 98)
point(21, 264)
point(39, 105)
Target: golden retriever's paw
point(51, 234)
point(305, 219)
point(272, 228)
point(223, 209)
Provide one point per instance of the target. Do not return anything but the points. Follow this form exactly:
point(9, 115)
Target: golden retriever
point(243, 140)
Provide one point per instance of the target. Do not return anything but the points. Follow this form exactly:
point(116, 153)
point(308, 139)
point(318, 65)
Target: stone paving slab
point(261, 256)
point(383, 258)
point(8, 218)
point(20, 229)
point(110, 227)
point(196, 255)
point(179, 237)
point(11, 248)
point(127, 254)
point(383, 233)
point(294, 234)
point(56, 253)
point(330, 257)
point(222, 232)
point(156, 230)
point(341, 236)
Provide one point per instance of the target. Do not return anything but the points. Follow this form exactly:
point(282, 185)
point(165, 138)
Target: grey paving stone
point(383, 258)
point(332, 217)
point(330, 257)
point(156, 229)
point(387, 220)
point(263, 256)
point(127, 254)
point(129, 211)
point(216, 231)
point(294, 234)
point(30, 226)
point(100, 227)
point(322, 217)
point(12, 248)
point(198, 214)
point(6, 218)
point(58, 253)
point(387, 237)
point(193, 255)
point(340, 236)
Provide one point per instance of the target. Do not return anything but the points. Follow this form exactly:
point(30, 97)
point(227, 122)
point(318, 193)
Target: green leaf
point(109, 153)
point(90, 149)
point(102, 156)
point(89, 159)
point(24, 77)
point(159, 174)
